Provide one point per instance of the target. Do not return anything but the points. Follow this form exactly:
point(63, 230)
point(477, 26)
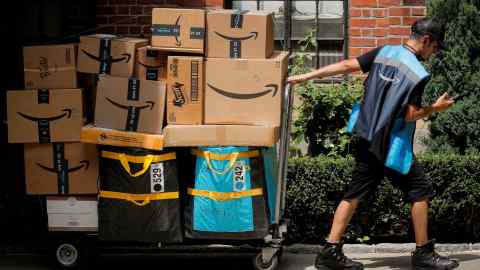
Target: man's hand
point(342, 67)
point(298, 78)
point(414, 113)
point(443, 103)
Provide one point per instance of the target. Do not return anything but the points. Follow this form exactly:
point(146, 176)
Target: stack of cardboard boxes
point(162, 94)
point(47, 117)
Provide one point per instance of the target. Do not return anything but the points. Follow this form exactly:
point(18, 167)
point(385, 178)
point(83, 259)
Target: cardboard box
point(61, 168)
point(105, 136)
point(207, 135)
point(130, 104)
point(179, 30)
point(239, 34)
point(77, 214)
point(245, 91)
point(185, 90)
point(50, 66)
point(151, 64)
point(108, 54)
point(44, 116)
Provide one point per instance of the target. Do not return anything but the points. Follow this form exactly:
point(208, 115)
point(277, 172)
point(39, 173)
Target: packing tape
point(220, 135)
point(52, 69)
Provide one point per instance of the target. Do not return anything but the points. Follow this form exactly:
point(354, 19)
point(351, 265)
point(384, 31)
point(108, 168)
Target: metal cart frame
point(68, 250)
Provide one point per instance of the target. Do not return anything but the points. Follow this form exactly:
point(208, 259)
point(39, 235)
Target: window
point(325, 18)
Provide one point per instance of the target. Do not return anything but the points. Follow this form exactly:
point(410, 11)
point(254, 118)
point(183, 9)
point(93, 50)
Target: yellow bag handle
point(232, 161)
point(126, 166)
point(225, 196)
point(146, 160)
point(135, 198)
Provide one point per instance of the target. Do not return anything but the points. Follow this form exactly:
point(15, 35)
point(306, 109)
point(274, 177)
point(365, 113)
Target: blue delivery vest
point(379, 118)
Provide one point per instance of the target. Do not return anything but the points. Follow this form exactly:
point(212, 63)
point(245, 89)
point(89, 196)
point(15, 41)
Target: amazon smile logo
point(253, 35)
point(125, 107)
point(273, 88)
point(126, 57)
point(84, 164)
point(148, 66)
point(393, 80)
point(68, 113)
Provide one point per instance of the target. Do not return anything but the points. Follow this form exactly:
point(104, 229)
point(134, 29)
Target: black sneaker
point(425, 258)
point(332, 257)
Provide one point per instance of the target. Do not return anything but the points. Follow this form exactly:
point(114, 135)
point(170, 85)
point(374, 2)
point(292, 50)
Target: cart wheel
point(67, 255)
point(258, 263)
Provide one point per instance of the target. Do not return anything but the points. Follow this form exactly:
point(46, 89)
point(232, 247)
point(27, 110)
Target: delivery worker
point(391, 101)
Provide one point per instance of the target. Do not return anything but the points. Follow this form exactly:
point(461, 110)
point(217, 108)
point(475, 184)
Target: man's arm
point(415, 113)
point(342, 67)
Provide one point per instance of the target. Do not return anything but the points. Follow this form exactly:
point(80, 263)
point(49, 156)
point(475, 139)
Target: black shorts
point(369, 172)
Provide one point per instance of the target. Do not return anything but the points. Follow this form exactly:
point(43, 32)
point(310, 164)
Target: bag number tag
point(239, 175)
point(157, 178)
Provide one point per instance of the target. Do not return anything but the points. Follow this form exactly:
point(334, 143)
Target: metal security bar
point(292, 24)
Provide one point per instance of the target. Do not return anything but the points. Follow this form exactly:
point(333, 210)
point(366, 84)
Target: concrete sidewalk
point(469, 260)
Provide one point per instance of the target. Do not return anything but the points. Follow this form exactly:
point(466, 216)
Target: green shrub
point(315, 187)
point(457, 71)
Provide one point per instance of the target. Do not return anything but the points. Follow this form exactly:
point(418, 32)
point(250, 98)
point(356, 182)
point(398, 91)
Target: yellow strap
point(135, 198)
point(225, 196)
point(216, 156)
point(146, 160)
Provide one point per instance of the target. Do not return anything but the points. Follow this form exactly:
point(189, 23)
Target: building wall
point(134, 17)
point(378, 22)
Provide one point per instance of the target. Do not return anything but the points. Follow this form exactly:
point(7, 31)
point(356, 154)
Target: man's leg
point(419, 190)
point(342, 218)
point(420, 221)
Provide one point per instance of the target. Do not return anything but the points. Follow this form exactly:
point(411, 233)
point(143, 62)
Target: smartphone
point(459, 97)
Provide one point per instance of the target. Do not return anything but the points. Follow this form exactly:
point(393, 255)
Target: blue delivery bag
point(227, 199)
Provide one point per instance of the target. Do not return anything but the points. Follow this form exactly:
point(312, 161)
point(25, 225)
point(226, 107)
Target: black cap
point(428, 26)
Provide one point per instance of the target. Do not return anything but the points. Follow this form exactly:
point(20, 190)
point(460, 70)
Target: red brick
point(105, 10)
point(101, 20)
point(366, 50)
point(382, 41)
point(147, 10)
point(122, 30)
point(123, 10)
point(380, 32)
point(147, 29)
point(134, 30)
point(367, 12)
point(362, 42)
point(380, 12)
point(122, 2)
point(162, 3)
point(107, 29)
point(419, 11)
point(382, 22)
point(215, 3)
point(363, 3)
point(399, 11)
point(414, 2)
point(354, 52)
point(362, 23)
point(136, 10)
point(367, 32)
point(355, 32)
point(395, 20)
point(355, 12)
point(409, 20)
point(144, 19)
point(389, 3)
point(123, 20)
point(399, 31)
point(394, 41)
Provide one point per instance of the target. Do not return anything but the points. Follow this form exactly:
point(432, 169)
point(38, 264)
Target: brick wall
point(378, 22)
point(134, 17)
